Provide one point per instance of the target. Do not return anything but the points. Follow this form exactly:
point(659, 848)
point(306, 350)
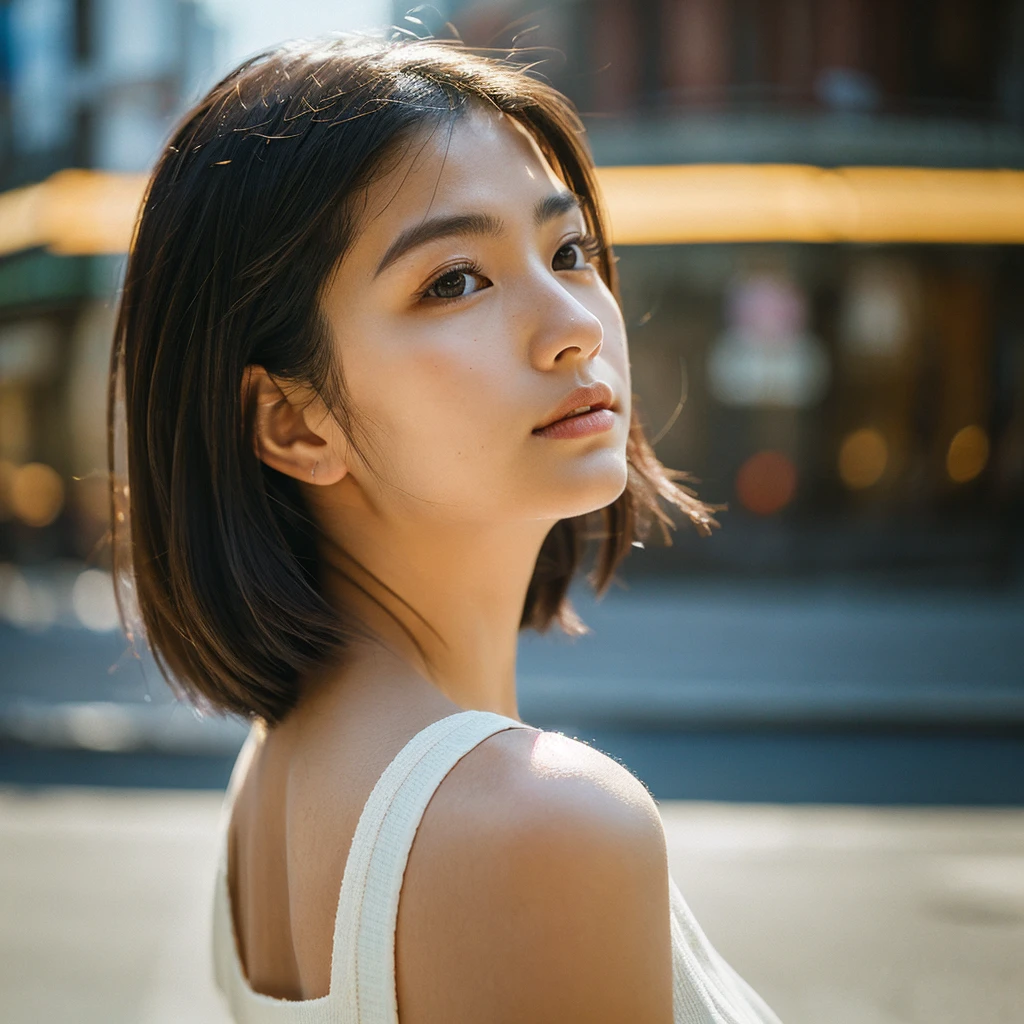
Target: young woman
point(373, 385)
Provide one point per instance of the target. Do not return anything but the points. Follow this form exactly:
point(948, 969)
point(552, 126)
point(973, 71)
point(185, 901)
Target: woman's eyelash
point(590, 244)
point(459, 268)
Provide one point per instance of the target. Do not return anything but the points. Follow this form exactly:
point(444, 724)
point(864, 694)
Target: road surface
point(844, 915)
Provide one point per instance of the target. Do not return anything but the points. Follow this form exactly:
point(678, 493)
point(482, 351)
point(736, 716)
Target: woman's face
point(458, 341)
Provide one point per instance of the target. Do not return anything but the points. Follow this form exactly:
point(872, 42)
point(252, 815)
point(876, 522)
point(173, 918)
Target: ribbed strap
point(705, 987)
point(363, 958)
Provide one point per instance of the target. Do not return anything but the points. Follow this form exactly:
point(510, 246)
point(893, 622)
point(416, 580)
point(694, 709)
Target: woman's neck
point(457, 588)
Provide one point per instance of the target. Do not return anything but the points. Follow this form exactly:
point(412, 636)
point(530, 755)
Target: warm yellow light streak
point(82, 212)
point(72, 213)
point(794, 203)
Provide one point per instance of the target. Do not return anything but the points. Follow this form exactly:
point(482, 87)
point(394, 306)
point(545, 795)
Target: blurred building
point(859, 407)
point(85, 84)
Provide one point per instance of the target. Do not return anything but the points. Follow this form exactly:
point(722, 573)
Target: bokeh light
point(92, 598)
point(766, 482)
point(24, 603)
point(36, 494)
point(863, 457)
point(968, 454)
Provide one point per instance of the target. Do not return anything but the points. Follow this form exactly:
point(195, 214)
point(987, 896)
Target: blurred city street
point(776, 692)
point(842, 915)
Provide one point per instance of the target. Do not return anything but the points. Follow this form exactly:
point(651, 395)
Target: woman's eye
point(576, 255)
point(570, 257)
point(454, 284)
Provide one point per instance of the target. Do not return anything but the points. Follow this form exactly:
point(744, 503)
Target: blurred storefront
point(860, 407)
point(85, 84)
point(818, 210)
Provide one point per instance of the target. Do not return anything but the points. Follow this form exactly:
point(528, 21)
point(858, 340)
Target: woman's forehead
point(481, 161)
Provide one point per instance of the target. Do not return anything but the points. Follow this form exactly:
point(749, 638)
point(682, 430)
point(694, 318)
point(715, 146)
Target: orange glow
point(36, 494)
point(72, 213)
point(968, 454)
point(766, 482)
point(863, 456)
point(82, 212)
point(792, 202)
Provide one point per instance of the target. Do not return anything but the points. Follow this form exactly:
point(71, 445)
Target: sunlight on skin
point(556, 756)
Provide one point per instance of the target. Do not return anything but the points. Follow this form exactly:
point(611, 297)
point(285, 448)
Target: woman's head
point(365, 272)
point(467, 306)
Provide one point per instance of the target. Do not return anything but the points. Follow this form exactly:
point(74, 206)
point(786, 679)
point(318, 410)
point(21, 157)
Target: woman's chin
point(578, 493)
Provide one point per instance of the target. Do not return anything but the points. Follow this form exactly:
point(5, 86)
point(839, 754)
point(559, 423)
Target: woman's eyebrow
point(544, 210)
point(438, 227)
point(555, 205)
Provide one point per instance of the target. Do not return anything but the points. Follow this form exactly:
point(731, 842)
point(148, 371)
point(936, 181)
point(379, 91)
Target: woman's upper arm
point(551, 908)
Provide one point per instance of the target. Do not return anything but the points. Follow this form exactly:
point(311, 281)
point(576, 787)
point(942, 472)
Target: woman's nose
point(563, 327)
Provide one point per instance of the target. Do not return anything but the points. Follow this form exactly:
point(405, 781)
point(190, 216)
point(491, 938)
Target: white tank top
point(706, 990)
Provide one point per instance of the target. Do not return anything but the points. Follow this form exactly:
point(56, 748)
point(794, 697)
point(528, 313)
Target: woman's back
point(293, 838)
point(291, 813)
point(299, 796)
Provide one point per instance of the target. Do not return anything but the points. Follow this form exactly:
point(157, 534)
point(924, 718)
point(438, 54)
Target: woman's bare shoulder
point(538, 884)
point(536, 776)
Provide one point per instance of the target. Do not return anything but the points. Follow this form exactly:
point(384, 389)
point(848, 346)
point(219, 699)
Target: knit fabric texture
point(706, 990)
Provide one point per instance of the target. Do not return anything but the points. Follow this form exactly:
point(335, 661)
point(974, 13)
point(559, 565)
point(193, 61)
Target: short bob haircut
point(249, 209)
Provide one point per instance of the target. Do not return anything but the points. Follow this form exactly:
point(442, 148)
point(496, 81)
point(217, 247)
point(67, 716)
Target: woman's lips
point(594, 422)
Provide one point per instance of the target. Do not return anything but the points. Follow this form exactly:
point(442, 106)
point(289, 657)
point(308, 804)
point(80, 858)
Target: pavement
point(845, 915)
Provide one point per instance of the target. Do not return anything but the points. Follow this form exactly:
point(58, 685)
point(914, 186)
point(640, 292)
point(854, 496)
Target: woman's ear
point(283, 438)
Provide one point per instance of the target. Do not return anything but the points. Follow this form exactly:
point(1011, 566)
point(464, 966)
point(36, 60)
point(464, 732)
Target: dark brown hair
point(247, 212)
